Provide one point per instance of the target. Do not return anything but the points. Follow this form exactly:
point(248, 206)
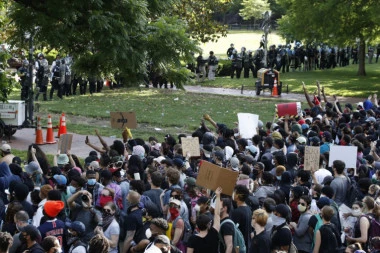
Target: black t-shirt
point(140, 234)
point(207, 244)
point(330, 239)
point(226, 229)
point(133, 221)
point(261, 243)
point(242, 216)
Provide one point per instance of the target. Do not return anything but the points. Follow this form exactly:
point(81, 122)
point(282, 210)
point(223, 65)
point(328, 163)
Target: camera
point(85, 198)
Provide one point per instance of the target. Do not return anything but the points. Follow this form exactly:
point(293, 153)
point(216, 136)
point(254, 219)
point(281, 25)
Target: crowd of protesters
point(142, 195)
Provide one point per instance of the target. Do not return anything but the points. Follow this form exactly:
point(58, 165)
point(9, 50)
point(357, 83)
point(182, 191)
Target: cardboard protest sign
point(64, 144)
point(247, 124)
point(347, 154)
point(291, 109)
point(311, 158)
point(123, 119)
point(191, 145)
point(212, 176)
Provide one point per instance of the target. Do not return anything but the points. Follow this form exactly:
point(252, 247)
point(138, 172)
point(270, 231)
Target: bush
point(224, 68)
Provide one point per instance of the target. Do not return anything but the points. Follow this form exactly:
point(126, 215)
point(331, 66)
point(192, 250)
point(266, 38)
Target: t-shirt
point(226, 229)
point(242, 216)
point(154, 195)
point(113, 229)
point(339, 184)
point(53, 228)
point(207, 244)
point(133, 221)
point(261, 243)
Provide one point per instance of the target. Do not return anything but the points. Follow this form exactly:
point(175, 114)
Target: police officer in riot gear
point(23, 73)
point(42, 76)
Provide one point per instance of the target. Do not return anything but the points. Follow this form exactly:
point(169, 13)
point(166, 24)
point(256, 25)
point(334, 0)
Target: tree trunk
point(361, 70)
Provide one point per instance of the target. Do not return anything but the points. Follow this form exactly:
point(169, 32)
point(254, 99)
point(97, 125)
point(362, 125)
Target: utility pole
point(266, 29)
point(30, 99)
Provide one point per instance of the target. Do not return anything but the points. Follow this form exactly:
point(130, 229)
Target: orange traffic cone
point(50, 133)
point(59, 126)
point(39, 138)
point(274, 89)
point(62, 128)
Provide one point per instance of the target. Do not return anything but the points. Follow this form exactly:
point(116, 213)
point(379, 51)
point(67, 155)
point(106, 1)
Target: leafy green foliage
point(253, 8)
point(199, 17)
point(307, 20)
point(7, 80)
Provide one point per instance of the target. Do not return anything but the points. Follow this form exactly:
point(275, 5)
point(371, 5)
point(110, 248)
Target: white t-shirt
point(113, 229)
point(321, 174)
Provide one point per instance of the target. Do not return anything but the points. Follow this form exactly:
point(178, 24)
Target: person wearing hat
point(6, 154)
point(75, 240)
point(30, 238)
point(43, 196)
point(281, 234)
point(178, 223)
point(219, 158)
point(20, 193)
point(52, 226)
point(234, 164)
point(327, 142)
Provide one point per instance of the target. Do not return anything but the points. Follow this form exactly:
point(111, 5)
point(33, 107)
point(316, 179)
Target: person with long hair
point(9, 225)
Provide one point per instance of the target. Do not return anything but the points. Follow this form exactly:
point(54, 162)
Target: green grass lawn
point(340, 81)
point(173, 111)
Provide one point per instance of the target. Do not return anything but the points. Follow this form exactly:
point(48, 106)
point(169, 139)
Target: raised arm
point(216, 225)
point(307, 96)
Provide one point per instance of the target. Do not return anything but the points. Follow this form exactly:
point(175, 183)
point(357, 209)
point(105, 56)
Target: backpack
point(374, 229)
point(239, 243)
point(187, 233)
point(335, 238)
point(352, 194)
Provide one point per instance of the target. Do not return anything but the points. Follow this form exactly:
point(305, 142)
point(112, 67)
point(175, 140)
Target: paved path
point(24, 137)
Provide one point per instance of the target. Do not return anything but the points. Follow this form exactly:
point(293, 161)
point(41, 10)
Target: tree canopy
point(106, 37)
point(254, 8)
point(338, 22)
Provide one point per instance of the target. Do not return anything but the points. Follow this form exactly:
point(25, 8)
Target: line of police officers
point(60, 76)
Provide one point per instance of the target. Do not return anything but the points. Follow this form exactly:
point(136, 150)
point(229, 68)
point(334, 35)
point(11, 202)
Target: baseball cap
point(202, 200)
point(301, 140)
point(371, 119)
point(76, 226)
point(60, 179)
point(175, 201)
point(6, 147)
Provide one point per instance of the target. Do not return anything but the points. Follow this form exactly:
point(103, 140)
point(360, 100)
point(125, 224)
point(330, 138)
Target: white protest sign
point(347, 154)
point(247, 124)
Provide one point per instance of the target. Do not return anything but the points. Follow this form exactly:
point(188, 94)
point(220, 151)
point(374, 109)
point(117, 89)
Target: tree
point(104, 36)
point(199, 16)
point(253, 8)
point(334, 21)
